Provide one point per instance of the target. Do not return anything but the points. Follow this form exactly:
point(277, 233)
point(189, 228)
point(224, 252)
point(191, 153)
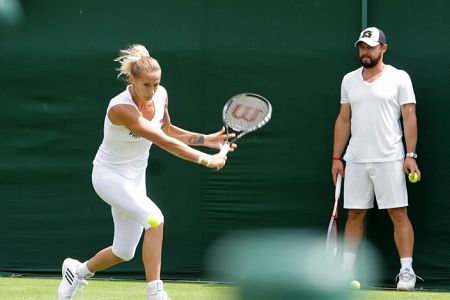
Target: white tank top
point(121, 150)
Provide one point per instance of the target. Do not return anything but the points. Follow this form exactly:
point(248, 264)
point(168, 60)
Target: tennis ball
point(153, 221)
point(413, 177)
point(355, 285)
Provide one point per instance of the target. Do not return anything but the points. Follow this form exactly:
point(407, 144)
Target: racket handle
point(224, 149)
point(337, 192)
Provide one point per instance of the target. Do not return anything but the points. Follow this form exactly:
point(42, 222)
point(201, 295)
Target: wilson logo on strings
point(244, 112)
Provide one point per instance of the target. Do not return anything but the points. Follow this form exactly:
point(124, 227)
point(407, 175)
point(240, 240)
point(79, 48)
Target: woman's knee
point(124, 254)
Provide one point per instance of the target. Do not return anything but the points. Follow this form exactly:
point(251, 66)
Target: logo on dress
point(132, 134)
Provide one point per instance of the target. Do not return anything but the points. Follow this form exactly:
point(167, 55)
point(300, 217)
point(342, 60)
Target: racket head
point(333, 230)
point(332, 237)
point(246, 112)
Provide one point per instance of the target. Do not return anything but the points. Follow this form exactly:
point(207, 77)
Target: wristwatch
point(411, 154)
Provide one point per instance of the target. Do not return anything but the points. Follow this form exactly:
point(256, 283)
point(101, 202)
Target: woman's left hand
point(219, 138)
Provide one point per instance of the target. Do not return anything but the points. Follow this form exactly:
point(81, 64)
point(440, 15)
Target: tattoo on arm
point(197, 139)
point(166, 117)
point(164, 122)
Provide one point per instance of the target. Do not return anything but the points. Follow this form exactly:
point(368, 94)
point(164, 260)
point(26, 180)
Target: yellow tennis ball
point(355, 285)
point(413, 177)
point(153, 221)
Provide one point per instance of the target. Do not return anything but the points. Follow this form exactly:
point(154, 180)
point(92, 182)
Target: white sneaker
point(406, 280)
point(70, 281)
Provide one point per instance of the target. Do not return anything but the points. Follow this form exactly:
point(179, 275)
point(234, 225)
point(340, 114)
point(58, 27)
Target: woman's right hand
point(217, 161)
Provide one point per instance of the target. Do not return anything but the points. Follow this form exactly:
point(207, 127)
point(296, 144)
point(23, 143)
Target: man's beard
point(371, 63)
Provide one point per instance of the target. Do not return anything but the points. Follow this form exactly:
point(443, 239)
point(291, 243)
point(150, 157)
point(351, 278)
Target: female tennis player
point(135, 119)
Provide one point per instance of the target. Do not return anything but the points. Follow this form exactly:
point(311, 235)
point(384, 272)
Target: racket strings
point(247, 113)
point(332, 239)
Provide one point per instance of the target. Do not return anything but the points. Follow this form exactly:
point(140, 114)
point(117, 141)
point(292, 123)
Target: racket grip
point(224, 149)
point(337, 192)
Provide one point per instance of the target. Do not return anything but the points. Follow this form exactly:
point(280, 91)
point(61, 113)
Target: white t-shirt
point(376, 131)
point(121, 150)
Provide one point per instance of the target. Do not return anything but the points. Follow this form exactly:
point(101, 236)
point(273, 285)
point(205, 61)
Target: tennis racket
point(244, 113)
point(332, 235)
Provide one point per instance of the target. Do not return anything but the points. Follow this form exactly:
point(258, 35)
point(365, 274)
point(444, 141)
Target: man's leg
point(354, 229)
point(404, 240)
point(403, 231)
point(354, 233)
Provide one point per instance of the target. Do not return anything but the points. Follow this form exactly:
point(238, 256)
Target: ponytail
point(134, 60)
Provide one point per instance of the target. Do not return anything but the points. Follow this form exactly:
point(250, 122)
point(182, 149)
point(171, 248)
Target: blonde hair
point(134, 60)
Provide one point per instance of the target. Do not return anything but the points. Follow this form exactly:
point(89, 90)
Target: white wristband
point(204, 157)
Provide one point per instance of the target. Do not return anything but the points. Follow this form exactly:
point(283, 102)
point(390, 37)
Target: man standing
point(374, 100)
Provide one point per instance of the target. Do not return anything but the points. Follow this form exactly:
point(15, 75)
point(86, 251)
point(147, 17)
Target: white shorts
point(130, 207)
point(384, 180)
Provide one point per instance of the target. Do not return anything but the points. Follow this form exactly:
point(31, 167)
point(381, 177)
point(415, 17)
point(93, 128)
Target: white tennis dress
point(118, 176)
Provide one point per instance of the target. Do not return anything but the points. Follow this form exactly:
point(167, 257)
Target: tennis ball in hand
point(413, 177)
point(153, 221)
point(355, 285)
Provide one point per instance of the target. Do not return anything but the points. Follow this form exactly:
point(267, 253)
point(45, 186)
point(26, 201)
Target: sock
point(155, 287)
point(406, 262)
point(83, 271)
point(348, 261)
